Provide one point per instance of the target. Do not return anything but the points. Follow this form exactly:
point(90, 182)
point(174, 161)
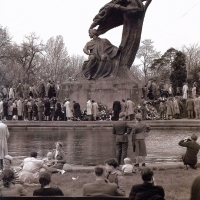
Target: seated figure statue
point(101, 55)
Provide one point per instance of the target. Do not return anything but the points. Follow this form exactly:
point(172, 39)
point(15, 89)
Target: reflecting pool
point(95, 146)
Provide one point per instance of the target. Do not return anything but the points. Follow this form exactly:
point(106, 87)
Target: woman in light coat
point(4, 135)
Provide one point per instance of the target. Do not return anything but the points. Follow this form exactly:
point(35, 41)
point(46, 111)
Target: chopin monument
point(105, 76)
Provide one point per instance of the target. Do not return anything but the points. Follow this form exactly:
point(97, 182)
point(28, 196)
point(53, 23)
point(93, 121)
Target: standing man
point(26, 90)
point(190, 107)
point(19, 108)
point(190, 157)
point(185, 91)
point(4, 135)
point(121, 130)
point(94, 110)
point(77, 111)
point(89, 110)
point(68, 108)
point(41, 89)
point(40, 109)
point(116, 109)
point(130, 109)
point(57, 87)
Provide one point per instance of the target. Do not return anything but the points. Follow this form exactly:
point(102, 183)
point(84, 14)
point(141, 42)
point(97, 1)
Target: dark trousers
point(190, 114)
point(121, 151)
point(116, 115)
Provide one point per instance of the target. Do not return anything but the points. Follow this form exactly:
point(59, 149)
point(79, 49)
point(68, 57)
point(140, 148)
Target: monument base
point(104, 91)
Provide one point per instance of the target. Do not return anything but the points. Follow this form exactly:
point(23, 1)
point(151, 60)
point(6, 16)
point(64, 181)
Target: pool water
point(95, 146)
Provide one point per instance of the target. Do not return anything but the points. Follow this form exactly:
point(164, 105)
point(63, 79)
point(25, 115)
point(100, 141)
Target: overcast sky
point(169, 23)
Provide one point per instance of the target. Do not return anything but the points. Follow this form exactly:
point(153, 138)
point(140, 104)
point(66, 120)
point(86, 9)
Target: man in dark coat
point(41, 89)
point(121, 130)
point(190, 107)
point(190, 157)
point(116, 110)
point(77, 110)
point(100, 187)
point(148, 190)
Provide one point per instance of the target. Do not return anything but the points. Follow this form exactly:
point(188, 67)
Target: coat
point(89, 108)
point(68, 109)
point(146, 191)
point(170, 107)
point(190, 156)
point(100, 188)
point(189, 104)
point(19, 108)
point(130, 107)
point(4, 135)
point(119, 128)
point(94, 109)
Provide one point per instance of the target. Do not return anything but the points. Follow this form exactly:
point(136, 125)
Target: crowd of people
point(110, 176)
point(28, 103)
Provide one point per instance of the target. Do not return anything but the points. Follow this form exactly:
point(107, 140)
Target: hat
point(10, 158)
point(121, 114)
point(194, 137)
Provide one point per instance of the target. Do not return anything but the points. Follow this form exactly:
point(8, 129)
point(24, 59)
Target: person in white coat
point(1, 109)
point(19, 108)
point(185, 91)
point(89, 110)
point(69, 114)
point(4, 135)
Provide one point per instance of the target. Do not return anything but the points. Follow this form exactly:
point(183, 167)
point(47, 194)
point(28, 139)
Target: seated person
point(148, 189)
point(46, 189)
point(101, 187)
point(190, 157)
point(59, 156)
point(115, 176)
point(195, 189)
point(9, 188)
point(127, 168)
point(7, 164)
point(30, 169)
point(49, 159)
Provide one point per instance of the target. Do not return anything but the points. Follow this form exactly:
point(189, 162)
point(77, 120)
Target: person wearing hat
point(139, 132)
point(121, 130)
point(190, 157)
point(7, 164)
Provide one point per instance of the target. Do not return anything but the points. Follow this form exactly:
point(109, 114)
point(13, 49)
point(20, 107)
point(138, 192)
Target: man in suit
point(190, 107)
point(116, 110)
point(121, 130)
point(101, 187)
point(190, 157)
point(130, 109)
point(148, 189)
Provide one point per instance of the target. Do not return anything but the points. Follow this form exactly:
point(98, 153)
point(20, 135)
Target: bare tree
point(147, 54)
point(192, 58)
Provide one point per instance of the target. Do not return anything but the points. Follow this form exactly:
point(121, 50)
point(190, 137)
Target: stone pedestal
point(104, 91)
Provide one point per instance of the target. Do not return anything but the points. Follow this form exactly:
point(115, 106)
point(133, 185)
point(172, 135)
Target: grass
point(176, 182)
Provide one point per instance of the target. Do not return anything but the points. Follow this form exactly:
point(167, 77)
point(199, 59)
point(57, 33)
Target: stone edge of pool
point(179, 124)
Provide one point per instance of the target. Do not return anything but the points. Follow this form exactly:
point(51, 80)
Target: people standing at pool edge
point(139, 132)
point(121, 130)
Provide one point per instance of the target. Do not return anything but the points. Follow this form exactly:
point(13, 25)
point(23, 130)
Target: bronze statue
point(101, 55)
point(130, 14)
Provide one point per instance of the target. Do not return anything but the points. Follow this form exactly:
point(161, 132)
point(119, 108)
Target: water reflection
point(95, 146)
